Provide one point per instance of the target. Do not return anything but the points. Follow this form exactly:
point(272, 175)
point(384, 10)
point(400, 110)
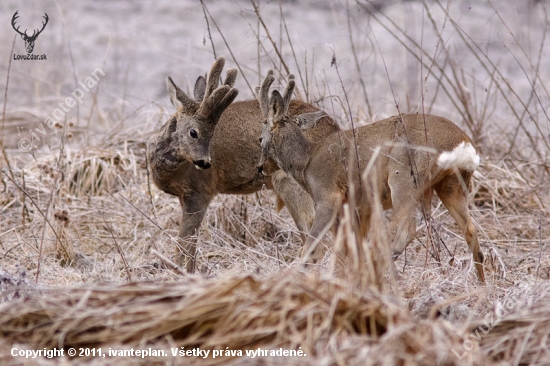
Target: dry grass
point(79, 222)
point(520, 338)
point(326, 318)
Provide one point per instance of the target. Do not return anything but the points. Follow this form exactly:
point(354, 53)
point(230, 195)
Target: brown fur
point(234, 152)
point(405, 172)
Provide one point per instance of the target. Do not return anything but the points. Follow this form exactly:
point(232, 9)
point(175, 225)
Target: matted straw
point(322, 316)
point(292, 310)
point(521, 338)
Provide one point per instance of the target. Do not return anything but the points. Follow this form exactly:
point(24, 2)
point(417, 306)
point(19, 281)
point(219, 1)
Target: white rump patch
point(464, 156)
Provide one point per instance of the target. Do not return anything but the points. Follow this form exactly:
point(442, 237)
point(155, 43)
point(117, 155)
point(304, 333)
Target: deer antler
point(288, 93)
point(210, 100)
point(13, 20)
point(263, 93)
point(215, 99)
point(35, 34)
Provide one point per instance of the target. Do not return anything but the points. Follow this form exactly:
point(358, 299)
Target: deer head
point(195, 120)
point(29, 40)
point(277, 122)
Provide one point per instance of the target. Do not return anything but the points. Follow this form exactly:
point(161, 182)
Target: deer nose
point(202, 164)
point(261, 169)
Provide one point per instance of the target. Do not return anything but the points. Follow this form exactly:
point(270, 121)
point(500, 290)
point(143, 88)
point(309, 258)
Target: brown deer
point(416, 155)
point(210, 146)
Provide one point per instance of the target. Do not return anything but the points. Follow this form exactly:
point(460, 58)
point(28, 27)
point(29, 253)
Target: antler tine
point(263, 93)
point(216, 99)
point(201, 84)
point(230, 77)
point(213, 78)
point(288, 93)
point(44, 24)
point(13, 20)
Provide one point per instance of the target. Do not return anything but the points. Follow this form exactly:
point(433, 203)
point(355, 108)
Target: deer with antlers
point(29, 40)
point(210, 146)
point(416, 155)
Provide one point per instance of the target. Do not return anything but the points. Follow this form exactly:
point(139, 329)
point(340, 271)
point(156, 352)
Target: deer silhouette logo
point(29, 40)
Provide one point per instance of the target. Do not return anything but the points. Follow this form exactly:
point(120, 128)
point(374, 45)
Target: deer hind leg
point(453, 193)
point(194, 208)
point(404, 200)
point(296, 199)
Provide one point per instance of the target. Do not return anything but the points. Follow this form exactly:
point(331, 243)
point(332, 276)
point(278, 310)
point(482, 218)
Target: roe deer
point(210, 146)
point(407, 172)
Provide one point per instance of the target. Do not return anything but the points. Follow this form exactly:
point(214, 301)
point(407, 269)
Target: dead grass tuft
point(325, 317)
point(520, 338)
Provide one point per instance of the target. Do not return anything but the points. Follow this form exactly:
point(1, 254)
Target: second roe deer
point(210, 146)
point(406, 174)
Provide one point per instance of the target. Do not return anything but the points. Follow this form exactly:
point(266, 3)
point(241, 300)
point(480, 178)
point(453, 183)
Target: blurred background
point(471, 61)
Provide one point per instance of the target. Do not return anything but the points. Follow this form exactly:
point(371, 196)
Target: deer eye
point(261, 139)
point(193, 134)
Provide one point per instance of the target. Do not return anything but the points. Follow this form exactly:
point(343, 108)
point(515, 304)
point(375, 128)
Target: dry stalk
point(4, 154)
point(229, 48)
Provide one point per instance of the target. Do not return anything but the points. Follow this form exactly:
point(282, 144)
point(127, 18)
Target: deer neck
point(292, 151)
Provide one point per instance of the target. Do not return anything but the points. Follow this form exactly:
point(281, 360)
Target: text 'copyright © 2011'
point(150, 352)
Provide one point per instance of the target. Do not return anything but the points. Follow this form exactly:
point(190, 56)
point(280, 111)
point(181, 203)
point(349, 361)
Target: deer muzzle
point(261, 170)
point(202, 164)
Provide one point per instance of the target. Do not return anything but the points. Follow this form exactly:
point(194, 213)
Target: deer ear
point(308, 120)
point(179, 99)
point(200, 89)
point(173, 92)
point(276, 107)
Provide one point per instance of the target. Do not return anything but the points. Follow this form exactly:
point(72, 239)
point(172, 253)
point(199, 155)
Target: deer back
point(236, 150)
point(410, 145)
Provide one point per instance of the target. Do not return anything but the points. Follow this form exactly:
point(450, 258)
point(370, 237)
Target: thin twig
point(4, 154)
point(259, 55)
point(50, 200)
point(294, 55)
point(353, 129)
point(149, 187)
point(157, 225)
point(110, 229)
point(208, 28)
point(229, 49)
point(39, 210)
point(257, 11)
point(173, 266)
point(473, 46)
point(357, 64)
point(76, 83)
point(540, 247)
